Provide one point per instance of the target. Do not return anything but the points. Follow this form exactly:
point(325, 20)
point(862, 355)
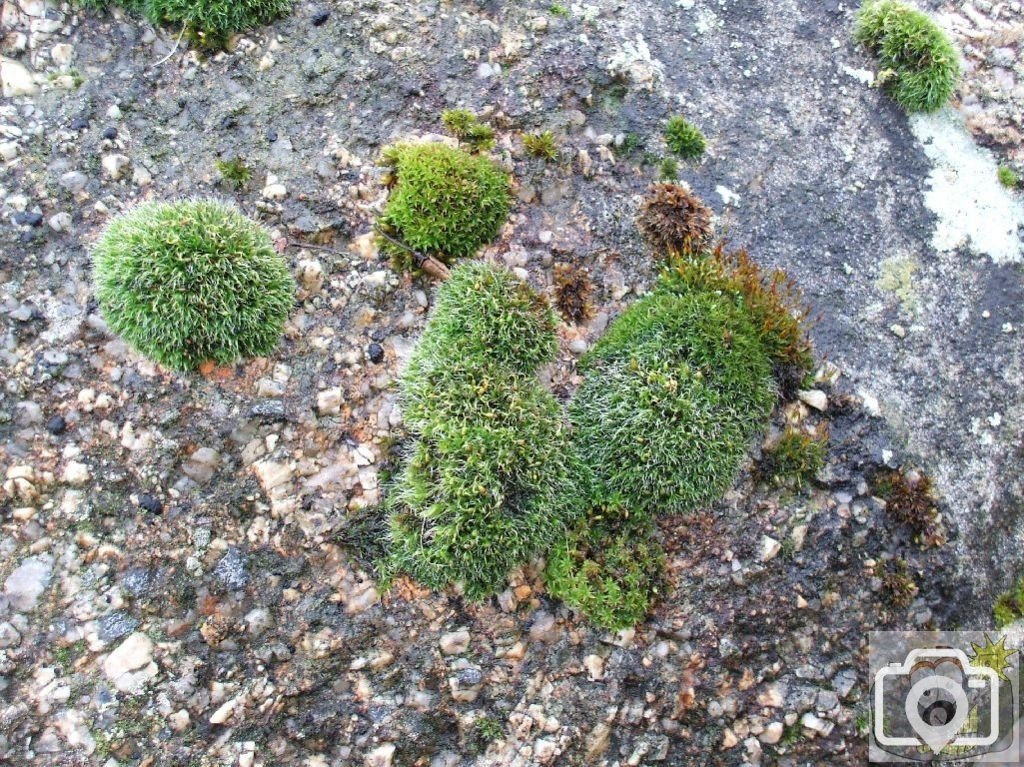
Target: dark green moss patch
point(684, 138)
point(671, 399)
point(610, 567)
point(769, 298)
point(542, 145)
point(444, 203)
point(668, 169)
point(234, 171)
point(208, 23)
point(468, 129)
point(1009, 607)
point(795, 457)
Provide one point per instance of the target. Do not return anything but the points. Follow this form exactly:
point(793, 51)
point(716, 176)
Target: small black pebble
point(320, 18)
point(375, 352)
point(28, 219)
point(56, 424)
point(110, 133)
point(79, 123)
point(228, 122)
point(148, 503)
point(271, 135)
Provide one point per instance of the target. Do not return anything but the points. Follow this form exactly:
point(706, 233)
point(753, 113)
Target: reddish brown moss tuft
point(910, 499)
point(898, 587)
point(572, 293)
point(673, 220)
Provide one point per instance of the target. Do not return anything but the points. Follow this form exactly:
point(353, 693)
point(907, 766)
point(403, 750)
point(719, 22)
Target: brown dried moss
point(910, 499)
point(673, 220)
point(898, 587)
point(572, 293)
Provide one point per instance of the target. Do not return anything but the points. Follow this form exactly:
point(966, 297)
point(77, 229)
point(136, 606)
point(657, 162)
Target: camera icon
point(945, 700)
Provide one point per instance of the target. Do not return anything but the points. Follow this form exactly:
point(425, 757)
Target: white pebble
point(814, 398)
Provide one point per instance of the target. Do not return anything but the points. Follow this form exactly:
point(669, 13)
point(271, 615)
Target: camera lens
point(938, 713)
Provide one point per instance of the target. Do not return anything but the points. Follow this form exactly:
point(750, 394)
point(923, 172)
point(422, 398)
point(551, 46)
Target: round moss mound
point(672, 396)
point(484, 316)
point(192, 281)
point(480, 490)
point(920, 66)
point(446, 203)
point(610, 567)
point(684, 138)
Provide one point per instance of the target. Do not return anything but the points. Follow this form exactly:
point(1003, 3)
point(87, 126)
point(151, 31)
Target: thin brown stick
point(428, 264)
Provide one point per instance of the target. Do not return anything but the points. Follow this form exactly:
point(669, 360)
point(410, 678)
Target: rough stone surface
point(190, 595)
point(27, 583)
point(133, 653)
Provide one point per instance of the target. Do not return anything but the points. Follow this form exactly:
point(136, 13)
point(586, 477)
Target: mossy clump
point(897, 588)
point(542, 145)
point(444, 203)
point(684, 138)
point(672, 396)
point(910, 499)
point(192, 281)
point(795, 457)
point(920, 66)
point(234, 171)
point(610, 567)
point(572, 293)
point(483, 488)
point(668, 170)
point(467, 128)
point(673, 220)
point(486, 730)
point(1008, 178)
point(1009, 606)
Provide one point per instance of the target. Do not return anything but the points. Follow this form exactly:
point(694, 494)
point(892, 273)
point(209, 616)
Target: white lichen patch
point(633, 60)
point(865, 76)
point(729, 197)
point(707, 21)
point(973, 208)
